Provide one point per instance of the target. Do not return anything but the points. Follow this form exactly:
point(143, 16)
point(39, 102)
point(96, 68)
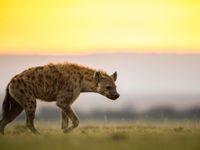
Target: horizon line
point(99, 53)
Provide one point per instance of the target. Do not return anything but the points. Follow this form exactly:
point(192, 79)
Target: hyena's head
point(106, 85)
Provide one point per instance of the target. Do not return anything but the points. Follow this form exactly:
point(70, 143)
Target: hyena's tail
point(7, 102)
point(10, 108)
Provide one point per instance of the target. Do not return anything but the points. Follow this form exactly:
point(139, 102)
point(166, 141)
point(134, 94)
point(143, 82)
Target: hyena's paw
point(36, 132)
point(33, 130)
point(68, 130)
point(2, 131)
point(75, 124)
point(1, 128)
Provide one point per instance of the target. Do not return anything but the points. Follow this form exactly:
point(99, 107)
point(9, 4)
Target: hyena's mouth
point(113, 97)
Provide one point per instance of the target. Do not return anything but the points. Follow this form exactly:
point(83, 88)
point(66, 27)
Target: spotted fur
point(62, 82)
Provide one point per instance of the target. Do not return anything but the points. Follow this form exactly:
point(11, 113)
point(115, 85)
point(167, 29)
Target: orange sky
point(91, 26)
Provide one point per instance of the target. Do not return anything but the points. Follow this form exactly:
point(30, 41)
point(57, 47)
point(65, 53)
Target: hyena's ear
point(97, 76)
point(114, 76)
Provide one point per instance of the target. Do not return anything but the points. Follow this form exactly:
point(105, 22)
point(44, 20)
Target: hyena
point(62, 82)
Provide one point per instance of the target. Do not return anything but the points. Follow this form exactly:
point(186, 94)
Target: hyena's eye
point(108, 87)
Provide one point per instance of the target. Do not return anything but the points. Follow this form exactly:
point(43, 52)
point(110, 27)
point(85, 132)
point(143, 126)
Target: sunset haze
point(84, 27)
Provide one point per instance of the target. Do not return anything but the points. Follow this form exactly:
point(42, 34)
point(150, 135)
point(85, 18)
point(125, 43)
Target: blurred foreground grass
point(116, 136)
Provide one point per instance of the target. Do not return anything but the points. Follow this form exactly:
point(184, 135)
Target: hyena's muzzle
point(113, 94)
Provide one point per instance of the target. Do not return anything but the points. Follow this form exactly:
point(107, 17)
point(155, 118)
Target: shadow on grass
point(118, 136)
point(19, 129)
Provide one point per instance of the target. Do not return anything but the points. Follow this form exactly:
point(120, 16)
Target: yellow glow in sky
point(90, 26)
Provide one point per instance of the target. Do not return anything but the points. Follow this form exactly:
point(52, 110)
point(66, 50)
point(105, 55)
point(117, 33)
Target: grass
point(116, 136)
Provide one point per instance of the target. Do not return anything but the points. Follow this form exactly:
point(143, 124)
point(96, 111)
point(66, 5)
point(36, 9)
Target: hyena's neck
point(88, 83)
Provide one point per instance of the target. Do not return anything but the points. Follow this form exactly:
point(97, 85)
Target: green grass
point(116, 136)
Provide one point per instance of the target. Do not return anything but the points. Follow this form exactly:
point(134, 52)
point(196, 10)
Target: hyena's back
point(43, 82)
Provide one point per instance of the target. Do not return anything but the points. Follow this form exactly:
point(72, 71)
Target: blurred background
point(153, 45)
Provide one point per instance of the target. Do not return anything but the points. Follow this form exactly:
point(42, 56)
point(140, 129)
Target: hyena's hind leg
point(30, 108)
point(15, 110)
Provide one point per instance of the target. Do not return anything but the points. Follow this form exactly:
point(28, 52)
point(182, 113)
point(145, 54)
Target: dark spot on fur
point(52, 66)
point(61, 83)
point(21, 91)
point(75, 79)
point(40, 81)
point(24, 84)
point(47, 84)
point(54, 69)
point(29, 92)
point(13, 81)
point(34, 93)
point(55, 81)
point(59, 75)
point(56, 72)
point(69, 90)
point(39, 68)
point(48, 77)
point(19, 81)
point(17, 86)
point(40, 76)
point(33, 77)
point(79, 82)
point(88, 79)
point(63, 102)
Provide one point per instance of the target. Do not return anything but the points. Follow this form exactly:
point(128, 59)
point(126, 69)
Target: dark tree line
point(159, 113)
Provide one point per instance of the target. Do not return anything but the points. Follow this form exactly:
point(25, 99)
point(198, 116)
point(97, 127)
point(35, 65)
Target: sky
point(91, 26)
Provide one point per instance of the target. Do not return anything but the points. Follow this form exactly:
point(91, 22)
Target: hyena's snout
point(113, 95)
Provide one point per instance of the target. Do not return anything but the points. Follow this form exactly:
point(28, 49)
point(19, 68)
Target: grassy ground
point(116, 136)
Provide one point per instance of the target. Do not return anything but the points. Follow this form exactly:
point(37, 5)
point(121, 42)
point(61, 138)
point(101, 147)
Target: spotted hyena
point(62, 83)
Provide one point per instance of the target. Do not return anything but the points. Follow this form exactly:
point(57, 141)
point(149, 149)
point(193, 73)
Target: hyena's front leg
point(66, 108)
point(65, 120)
point(74, 118)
